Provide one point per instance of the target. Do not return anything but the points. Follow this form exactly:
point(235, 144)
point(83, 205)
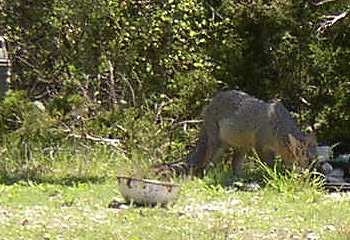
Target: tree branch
point(320, 3)
point(106, 141)
point(331, 20)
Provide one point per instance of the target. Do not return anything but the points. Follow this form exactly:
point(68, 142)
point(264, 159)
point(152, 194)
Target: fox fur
point(236, 119)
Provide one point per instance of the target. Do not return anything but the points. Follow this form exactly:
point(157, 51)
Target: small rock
point(312, 236)
point(233, 201)
point(123, 206)
point(253, 187)
point(25, 222)
point(118, 205)
point(47, 236)
point(329, 227)
point(238, 184)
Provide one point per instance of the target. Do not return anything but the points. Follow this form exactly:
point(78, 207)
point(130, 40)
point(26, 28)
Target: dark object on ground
point(118, 205)
point(337, 173)
point(337, 187)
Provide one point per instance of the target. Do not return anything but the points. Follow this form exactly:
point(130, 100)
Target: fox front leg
point(266, 156)
point(237, 163)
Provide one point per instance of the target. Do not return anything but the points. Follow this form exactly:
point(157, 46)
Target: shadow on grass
point(57, 180)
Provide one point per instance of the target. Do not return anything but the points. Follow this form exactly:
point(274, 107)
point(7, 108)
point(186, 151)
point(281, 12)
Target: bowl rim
point(148, 181)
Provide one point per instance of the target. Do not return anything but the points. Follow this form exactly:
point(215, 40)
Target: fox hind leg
point(208, 151)
point(215, 149)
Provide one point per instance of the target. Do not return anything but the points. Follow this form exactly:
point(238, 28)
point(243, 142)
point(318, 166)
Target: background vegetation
point(102, 88)
point(141, 71)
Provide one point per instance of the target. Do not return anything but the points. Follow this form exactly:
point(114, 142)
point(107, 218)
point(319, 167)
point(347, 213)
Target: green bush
point(107, 50)
point(23, 118)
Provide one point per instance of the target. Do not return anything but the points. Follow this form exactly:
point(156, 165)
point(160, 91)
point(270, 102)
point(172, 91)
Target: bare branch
point(194, 121)
point(133, 96)
point(112, 85)
point(317, 4)
point(331, 20)
point(106, 141)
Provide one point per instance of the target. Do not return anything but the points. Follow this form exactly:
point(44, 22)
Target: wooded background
point(141, 71)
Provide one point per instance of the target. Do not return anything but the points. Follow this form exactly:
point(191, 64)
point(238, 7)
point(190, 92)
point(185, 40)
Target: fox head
point(302, 152)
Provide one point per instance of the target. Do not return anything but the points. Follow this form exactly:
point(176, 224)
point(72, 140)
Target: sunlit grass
point(71, 202)
point(80, 211)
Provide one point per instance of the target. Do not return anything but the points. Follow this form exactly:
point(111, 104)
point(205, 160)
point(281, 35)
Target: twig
point(320, 3)
point(122, 76)
point(190, 121)
point(331, 20)
point(185, 123)
point(107, 141)
point(112, 85)
point(25, 62)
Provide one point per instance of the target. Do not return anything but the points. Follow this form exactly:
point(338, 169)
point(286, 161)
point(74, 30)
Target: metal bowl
point(147, 192)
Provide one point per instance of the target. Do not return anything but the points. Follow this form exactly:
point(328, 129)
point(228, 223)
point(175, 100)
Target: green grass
point(51, 211)
point(71, 202)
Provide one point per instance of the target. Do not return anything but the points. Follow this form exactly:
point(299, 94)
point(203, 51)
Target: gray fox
point(236, 119)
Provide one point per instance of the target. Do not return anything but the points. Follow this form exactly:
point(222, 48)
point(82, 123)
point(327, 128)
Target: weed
point(292, 180)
